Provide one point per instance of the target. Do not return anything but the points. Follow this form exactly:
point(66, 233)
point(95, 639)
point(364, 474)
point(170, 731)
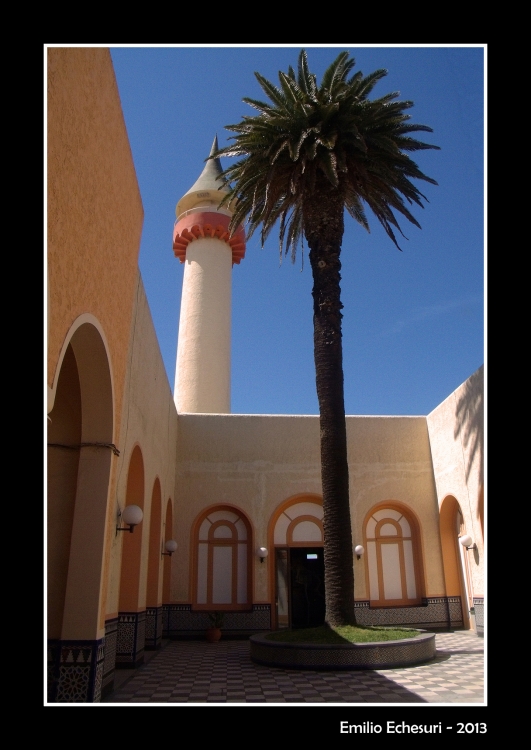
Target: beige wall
point(389, 460)
point(149, 421)
point(456, 439)
point(256, 462)
point(95, 220)
point(95, 211)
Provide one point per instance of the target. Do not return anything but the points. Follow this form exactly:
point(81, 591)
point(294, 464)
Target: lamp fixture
point(262, 553)
point(132, 515)
point(467, 541)
point(170, 547)
point(359, 550)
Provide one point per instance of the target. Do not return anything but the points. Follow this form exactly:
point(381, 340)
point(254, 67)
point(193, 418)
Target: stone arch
point(92, 338)
point(168, 534)
point(155, 547)
point(305, 509)
point(131, 616)
point(80, 452)
point(394, 567)
point(455, 561)
point(80, 434)
point(153, 585)
point(132, 542)
point(63, 465)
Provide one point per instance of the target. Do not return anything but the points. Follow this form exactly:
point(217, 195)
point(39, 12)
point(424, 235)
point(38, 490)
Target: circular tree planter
point(380, 655)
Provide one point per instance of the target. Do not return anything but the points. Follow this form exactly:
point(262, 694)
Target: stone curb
point(381, 655)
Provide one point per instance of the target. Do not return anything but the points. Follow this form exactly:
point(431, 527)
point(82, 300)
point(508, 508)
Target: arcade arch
point(168, 534)
point(80, 452)
point(154, 558)
point(455, 558)
point(131, 615)
point(132, 542)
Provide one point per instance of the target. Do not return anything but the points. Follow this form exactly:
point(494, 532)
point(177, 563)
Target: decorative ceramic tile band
point(181, 620)
point(435, 612)
point(479, 602)
point(131, 639)
point(382, 655)
point(153, 628)
point(109, 663)
point(75, 671)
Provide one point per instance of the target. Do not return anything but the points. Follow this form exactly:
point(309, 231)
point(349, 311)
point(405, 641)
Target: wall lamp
point(467, 541)
point(262, 553)
point(359, 551)
point(170, 547)
point(132, 515)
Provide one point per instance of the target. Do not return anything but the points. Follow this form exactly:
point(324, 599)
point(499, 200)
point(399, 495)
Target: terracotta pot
point(213, 635)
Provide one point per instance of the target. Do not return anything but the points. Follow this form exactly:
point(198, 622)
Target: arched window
point(222, 567)
point(393, 558)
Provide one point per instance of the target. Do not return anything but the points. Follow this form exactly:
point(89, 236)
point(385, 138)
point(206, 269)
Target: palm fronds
point(308, 136)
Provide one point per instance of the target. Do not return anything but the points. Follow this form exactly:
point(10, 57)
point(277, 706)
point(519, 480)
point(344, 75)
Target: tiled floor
point(201, 672)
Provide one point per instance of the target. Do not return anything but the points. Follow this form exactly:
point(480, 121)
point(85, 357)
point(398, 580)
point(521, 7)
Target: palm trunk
point(324, 233)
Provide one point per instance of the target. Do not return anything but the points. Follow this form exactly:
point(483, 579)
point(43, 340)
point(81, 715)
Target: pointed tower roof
point(209, 188)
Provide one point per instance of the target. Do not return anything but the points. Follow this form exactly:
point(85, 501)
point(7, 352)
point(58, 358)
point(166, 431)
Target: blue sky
point(413, 320)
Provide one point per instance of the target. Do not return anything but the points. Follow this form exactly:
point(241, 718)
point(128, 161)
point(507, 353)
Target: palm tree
point(309, 154)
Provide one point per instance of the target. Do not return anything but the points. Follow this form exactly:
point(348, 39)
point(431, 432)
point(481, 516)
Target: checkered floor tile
point(201, 672)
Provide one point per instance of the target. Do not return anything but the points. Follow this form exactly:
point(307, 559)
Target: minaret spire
point(209, 188)
point(201, 240)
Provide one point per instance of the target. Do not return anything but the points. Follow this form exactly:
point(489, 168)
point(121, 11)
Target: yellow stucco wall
point(95, 211)
point(95, 218)
point(256, 462)
point(456, 440)
point(149, 421)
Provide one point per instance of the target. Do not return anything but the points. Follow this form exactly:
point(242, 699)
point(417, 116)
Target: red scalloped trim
point(207, 224)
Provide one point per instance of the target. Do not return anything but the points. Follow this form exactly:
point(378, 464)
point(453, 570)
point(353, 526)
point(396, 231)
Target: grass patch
point(345, 634)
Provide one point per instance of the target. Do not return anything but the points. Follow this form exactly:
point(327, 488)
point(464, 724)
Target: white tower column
point(201, 240)
point(202, 376)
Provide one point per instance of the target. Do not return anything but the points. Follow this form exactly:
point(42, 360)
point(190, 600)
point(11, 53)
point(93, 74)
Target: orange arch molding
point(302, 497)
point(450, 551)
point(207, 224)
point(416, 531)
point(192, 579)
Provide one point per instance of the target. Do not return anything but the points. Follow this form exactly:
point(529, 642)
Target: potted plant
point(213, 633)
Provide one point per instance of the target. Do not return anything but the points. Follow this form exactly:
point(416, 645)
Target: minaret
point(201, 241)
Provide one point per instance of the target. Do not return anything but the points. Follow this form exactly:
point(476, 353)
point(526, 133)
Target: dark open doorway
point(307, 592)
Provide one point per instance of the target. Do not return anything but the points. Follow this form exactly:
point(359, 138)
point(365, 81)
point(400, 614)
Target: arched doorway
point(153, 595)
point(168, 534)
point(455, 559)
point(80, 452)
point(131, 616)
point(296, 536)
point(166, 570)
